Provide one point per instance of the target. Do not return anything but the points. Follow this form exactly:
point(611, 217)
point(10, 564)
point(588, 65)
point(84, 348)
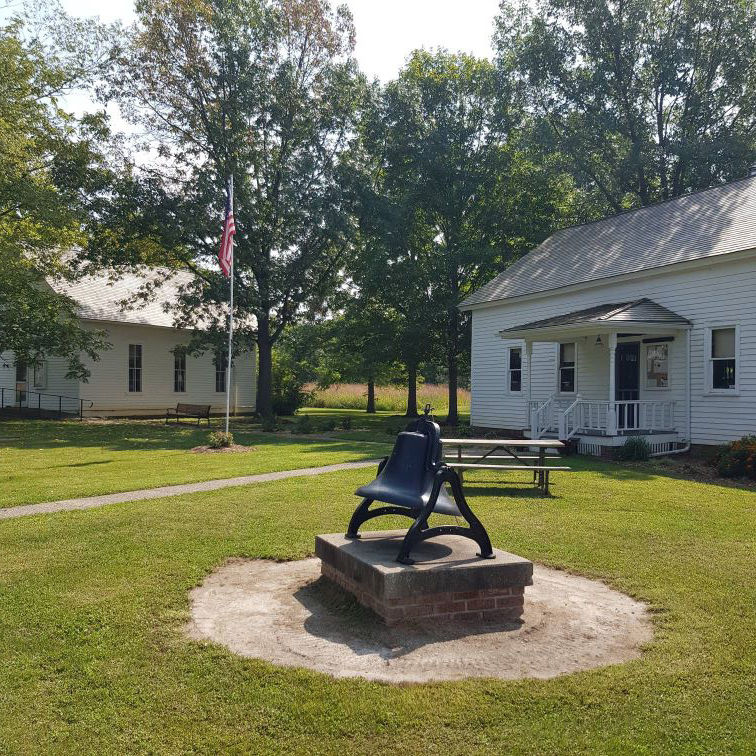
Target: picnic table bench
point(504, 454)
point(200, 411)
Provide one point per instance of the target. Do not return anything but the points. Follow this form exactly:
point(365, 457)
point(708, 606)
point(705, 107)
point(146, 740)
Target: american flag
point(226, 254)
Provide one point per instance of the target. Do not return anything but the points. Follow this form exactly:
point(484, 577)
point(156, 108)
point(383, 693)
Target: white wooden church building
point(144, 372)
point(640, 324)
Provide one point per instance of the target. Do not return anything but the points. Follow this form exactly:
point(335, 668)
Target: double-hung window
point(567, 368)
point(135, 367)
point(220, 373)
point(722, 348)
point(515, 369)
point(179, 371)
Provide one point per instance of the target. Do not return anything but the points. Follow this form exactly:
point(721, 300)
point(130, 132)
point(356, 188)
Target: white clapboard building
point(640, 324)
point(145, 372)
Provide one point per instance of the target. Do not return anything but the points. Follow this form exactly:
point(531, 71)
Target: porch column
point(611, 416)
point(528, 357)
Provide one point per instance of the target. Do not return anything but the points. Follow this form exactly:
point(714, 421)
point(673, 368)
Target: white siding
point(56, 383)
point(108, 384)
point(721, 292)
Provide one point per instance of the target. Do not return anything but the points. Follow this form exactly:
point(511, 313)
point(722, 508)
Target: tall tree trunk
point(371, 396)
point(452, 336)
point(264, 399)
point(411, 391)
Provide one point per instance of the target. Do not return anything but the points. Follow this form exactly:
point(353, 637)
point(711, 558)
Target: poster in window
point(657, 366)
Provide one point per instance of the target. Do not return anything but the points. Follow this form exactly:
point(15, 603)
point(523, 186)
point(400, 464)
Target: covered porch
point(616, 370)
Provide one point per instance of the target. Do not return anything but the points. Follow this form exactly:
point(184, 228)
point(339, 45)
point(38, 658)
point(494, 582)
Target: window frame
point(39, 369)
point(709, 360)
point(137, 370)
point(179, 370)
point(646, 347)
point(559, 369)
point(221, 366)
point(510, 369)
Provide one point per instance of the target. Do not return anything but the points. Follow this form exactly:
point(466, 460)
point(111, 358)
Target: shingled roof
point(640, 312)
point(704, 224)
point(101, 297)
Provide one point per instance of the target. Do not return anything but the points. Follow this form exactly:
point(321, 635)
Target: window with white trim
point(220, 373)
point(40, 375)
point(657, 366)
point(567, 368)
point(723, 359)
point(179, 370)
point(135, 367)
point(515, 369)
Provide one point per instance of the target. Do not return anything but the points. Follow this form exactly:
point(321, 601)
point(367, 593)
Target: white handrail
point(541, 417)
point(587, 415)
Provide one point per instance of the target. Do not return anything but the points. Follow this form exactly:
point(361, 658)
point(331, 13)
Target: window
point(40, 375)
point(135, 367)
point(567, 355)
point(21, 372)
point(515, 369)
point(657, 366)
point(723, 371)
point(220, 373)
point(179, 371)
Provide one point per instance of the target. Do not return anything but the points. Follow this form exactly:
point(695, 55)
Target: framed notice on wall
point(657, 366)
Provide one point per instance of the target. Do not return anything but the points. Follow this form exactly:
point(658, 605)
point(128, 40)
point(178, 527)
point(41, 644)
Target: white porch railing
point(616, 418)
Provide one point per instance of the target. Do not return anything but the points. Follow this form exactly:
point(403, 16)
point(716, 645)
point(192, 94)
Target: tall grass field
point(387, 398)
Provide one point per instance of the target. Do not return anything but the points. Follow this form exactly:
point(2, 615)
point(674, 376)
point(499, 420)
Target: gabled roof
point(641, 312)
point(704, 224)
point(101, 297)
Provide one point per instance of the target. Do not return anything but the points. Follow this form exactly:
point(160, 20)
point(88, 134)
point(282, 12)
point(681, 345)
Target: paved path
point(90, 502)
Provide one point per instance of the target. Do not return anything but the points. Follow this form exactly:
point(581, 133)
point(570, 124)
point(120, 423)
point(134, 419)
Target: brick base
point(499, 604)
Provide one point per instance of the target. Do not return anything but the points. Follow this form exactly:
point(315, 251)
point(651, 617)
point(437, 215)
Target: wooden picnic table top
point(523, 442)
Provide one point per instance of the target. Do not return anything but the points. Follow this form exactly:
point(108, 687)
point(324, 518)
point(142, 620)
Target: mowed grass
point(387, 398)
point(44, 460)
point(95, 659)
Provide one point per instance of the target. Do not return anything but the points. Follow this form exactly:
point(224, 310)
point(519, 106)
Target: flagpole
point(230, 308)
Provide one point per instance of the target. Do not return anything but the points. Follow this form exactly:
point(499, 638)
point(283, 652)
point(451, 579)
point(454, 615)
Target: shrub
point(220, 440)
point(288, 393)
point(303, 424)
point(346, 423)
point(738, 458)
point(635, 449)
point(328, 424)
point(270, 424)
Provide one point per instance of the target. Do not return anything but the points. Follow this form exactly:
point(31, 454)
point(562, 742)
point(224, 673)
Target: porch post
point(528, 355)
point(611, 415)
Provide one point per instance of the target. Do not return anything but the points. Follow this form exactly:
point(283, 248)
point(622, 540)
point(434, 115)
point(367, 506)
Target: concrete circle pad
point(285, 613)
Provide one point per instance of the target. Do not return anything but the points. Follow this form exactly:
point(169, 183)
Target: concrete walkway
point(90, 502)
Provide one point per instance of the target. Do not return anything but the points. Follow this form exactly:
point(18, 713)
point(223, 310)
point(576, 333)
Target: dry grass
point(387, 398)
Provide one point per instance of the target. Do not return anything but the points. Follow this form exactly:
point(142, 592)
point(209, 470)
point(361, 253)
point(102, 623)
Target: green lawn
point(44, 460)
point(94, 660)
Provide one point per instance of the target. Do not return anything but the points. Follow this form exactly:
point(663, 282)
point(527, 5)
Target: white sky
point(387, 30)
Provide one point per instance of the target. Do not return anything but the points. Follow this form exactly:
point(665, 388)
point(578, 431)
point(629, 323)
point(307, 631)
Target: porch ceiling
point(642, 315)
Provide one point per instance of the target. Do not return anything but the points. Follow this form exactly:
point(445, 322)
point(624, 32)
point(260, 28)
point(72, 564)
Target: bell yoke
point(412, 481)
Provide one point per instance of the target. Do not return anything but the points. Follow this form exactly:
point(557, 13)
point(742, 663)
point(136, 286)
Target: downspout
point(689, 402)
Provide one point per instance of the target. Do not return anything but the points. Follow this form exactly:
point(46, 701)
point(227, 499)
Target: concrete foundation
point(447, 582)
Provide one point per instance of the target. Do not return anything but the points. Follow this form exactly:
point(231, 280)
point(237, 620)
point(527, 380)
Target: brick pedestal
point(448, 582)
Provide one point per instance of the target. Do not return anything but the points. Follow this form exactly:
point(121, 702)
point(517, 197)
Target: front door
point(627, 383)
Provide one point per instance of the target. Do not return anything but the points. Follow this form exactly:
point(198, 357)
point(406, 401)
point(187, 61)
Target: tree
point(450, 141)
point(51, 171)
point(264, 90)
point(649, 99)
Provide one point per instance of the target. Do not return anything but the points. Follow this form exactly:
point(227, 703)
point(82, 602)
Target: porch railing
point(541, 416)
point(43, 404)
point(616, 418)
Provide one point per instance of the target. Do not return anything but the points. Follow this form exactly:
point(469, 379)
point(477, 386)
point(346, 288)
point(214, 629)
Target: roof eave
point(559, 333)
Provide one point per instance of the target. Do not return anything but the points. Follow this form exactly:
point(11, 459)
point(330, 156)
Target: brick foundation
point(500, 604)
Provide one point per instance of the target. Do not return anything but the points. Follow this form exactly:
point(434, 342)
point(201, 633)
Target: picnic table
point(503, 454)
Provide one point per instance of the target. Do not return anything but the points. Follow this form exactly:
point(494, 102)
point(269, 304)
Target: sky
point(387, 30)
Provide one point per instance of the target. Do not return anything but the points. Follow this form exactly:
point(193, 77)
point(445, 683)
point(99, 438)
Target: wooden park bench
point(504, 454)
point(200, 411)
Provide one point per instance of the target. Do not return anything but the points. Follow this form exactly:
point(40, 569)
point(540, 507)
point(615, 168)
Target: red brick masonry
point(501, 604)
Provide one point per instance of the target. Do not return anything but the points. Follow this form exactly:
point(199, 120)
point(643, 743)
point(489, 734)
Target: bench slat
point(506, 467)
